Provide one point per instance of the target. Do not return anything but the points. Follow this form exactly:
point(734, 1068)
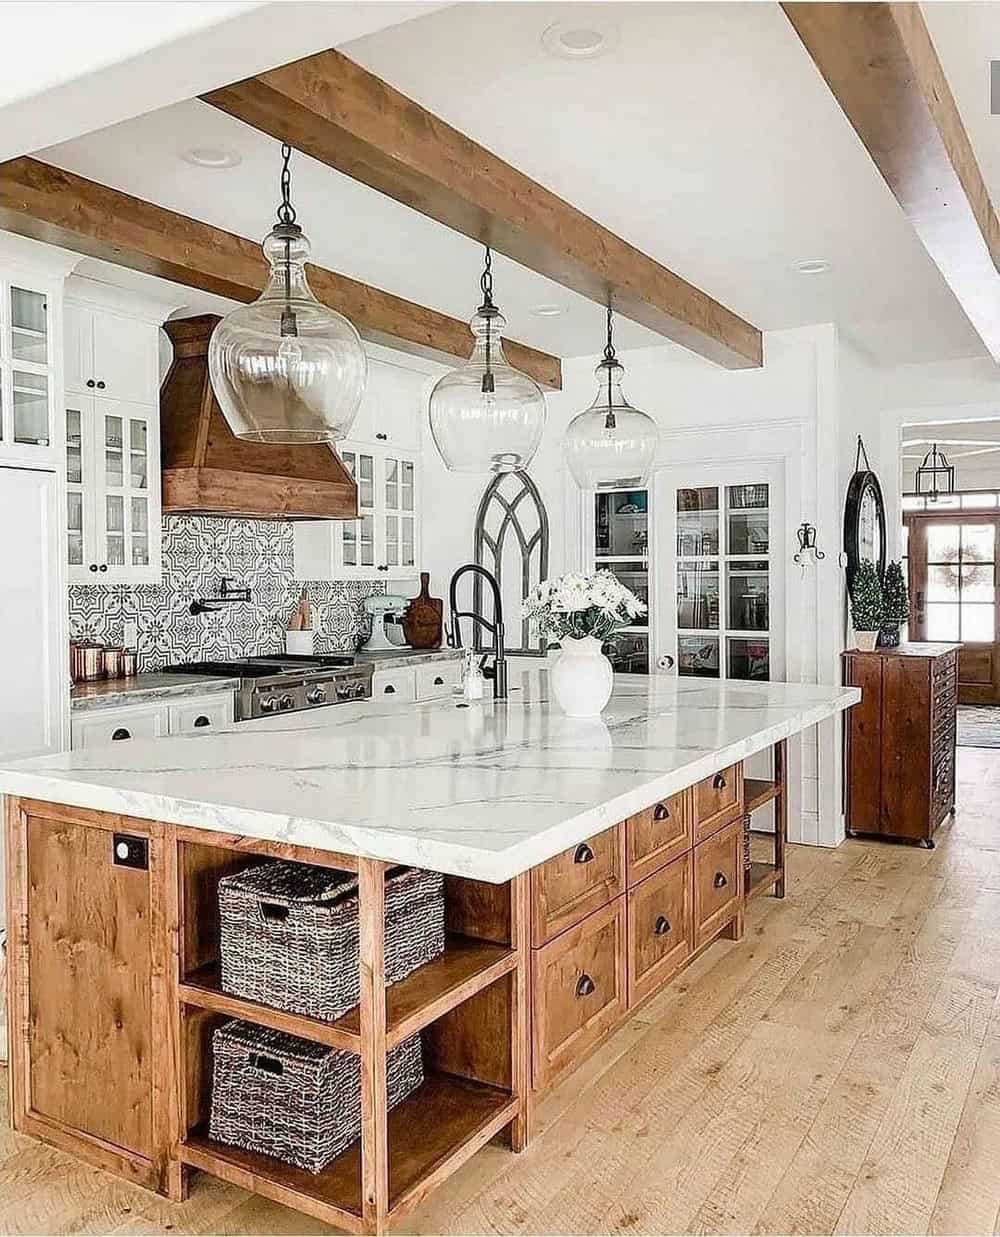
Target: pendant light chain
point(609, 357)
point(489, 311)
point(286, 211)
point(289, 327)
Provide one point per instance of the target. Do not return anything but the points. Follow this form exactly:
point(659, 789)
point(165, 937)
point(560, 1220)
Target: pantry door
point(955, 596)
point(719, 572)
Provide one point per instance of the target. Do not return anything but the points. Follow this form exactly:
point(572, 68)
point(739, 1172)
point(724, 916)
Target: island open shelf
point(760, 877)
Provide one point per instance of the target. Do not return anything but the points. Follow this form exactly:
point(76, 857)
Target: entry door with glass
point(722, 615)
point(953, 586)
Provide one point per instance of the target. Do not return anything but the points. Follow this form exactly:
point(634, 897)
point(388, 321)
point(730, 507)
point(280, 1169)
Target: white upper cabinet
point(382, 454)
point(112, 435)
point(110, 355)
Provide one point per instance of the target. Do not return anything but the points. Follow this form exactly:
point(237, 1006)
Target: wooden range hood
point(209, 471)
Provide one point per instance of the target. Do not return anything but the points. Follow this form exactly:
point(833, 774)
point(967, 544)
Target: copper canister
point(130, 663)
point(114, 663)
point(91, 662)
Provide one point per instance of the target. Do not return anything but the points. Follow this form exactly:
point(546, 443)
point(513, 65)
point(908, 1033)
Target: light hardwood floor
point(838, 1072)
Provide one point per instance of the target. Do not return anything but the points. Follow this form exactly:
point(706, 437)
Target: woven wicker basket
point(290, 934)
point(295, 1100)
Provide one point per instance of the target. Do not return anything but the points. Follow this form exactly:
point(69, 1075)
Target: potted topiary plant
point(895, 606)
point(866, 605)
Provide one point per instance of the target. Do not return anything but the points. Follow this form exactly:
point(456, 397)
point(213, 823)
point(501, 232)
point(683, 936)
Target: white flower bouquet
point(577, 606)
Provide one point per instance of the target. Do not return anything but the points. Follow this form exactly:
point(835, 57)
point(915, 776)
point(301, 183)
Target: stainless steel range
point(287, 683)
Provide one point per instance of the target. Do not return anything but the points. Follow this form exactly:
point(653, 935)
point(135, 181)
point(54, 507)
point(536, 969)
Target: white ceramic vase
point(582, 677)
point(866, 640)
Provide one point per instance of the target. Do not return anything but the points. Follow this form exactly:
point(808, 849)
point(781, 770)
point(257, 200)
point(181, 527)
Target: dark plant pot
point(888, 638)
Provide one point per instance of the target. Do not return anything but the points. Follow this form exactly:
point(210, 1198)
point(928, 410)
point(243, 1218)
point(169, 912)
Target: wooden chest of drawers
point(900, 740)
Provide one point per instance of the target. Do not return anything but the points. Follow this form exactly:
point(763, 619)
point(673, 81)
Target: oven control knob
point(316, 695)
point(286, 702)
point(268, 704)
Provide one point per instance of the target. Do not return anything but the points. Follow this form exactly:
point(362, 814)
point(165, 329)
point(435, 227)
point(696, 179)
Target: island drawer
point(578, 987)
point(576, 882)
point(660, 928)
point(437, 679)
point(718, 892)
point(718, 800)
point(658, 835)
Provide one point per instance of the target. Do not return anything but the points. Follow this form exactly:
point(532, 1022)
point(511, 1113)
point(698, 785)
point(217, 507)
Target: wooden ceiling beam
point(332, 109)
point(61, 208)
point(879, 61)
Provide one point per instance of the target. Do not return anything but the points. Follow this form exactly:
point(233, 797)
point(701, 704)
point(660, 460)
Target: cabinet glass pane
point(349, 541)
point(698, 656)
point(140, 532)
point(406, 485)
point(366, 481)
point(634, 576)
point(139, 472)
point(74, 446)
point(749, 659)
point(392, 540)
point(620, 523)
point(367, 523)
point(407, 557)
point(697, 522)
point(698, 596)
point(31, 408)
point(28, 326)
point(74, 523)
point(748, 596)
point(391, 483)
point(114, 506)
point(113, 465)
point(747, 519)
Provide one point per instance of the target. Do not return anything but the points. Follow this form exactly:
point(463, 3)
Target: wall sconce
point(808, 554)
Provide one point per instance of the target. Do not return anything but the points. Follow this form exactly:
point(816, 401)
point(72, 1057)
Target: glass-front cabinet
point(28, 433)
point(621, 546)
point(723, 622)
point(113, 492)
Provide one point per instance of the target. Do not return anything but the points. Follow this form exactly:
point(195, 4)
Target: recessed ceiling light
point(812, 266)
point(580, 40)
point(548, 311)
point(211, 157)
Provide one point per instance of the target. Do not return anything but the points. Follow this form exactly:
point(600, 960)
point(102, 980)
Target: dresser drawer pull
point(202, 720)
point(720, 881)
point(661, 812)
point(584, 985)
point(438, 681)
point(121, 733)
point(662, 926)
point(719, 781)
point(389, 690)
point(583, 854)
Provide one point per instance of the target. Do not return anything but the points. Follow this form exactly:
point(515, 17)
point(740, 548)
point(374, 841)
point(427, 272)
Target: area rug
point(978, 725)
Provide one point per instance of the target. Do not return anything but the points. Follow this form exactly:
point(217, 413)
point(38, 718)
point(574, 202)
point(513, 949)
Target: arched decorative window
point(512, 541)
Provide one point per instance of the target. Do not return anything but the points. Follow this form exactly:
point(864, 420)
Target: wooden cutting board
point(423, 617)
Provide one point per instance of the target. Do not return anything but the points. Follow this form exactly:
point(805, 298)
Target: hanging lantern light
point(287, 369)
point(485, 415)
point(935, 466)
point(610, 443)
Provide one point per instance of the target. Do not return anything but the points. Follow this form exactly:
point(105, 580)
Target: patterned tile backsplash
point(197, 552)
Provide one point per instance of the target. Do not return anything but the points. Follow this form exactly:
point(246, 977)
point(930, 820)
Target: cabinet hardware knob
point(121, 733)
point(438, 681)
point(662, 926)
point(382, 437)
point(202, 720)
point(103, 567)
point(93, 566)
point(719, 781)
point(100, 386)
point(91, 382)
point(720, 881)
point(584, 985)
point(661, 812)
point(389, 690)
point(583, 854)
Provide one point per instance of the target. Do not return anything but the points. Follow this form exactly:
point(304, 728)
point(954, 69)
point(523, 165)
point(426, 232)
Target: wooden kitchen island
point(622, 856)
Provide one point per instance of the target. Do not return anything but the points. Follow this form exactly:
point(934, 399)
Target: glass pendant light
point(487, 416)
point(287, 369)
point(611, 443)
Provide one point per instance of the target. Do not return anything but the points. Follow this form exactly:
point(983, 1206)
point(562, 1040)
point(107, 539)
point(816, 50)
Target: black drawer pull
point(662, 926)
point(93, 566)
point(389, 690)
point(719, 781)
point(121, 733)
point(661, 811)
point(202, 720)
point(583, 854)
point(100, 386)
point(438, 681)
point(382, 437)
point(91, 382)
point(720, 881)
point(584, 985)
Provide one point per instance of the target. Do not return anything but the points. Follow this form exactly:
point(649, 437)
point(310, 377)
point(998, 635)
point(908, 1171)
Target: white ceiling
point(706, 137)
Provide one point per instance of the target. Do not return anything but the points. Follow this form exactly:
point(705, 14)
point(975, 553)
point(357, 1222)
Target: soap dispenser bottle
point(473, 682)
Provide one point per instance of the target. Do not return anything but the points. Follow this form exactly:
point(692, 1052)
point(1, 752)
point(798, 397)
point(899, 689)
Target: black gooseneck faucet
point(498, 671)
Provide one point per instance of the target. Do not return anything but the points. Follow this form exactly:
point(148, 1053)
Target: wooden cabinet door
point(576, 882)
point(906, 747)
point(718, 887)
point(864, 745)
point(657, 835)
point(718, 800)
point(89, 999)
point(659, 928)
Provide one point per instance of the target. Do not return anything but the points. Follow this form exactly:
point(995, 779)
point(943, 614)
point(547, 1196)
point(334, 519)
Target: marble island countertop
point(486, 790)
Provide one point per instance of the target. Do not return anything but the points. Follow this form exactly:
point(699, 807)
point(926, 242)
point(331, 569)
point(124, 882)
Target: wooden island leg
point(520, 1029)
point(374, 1102)
point(780, 814)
